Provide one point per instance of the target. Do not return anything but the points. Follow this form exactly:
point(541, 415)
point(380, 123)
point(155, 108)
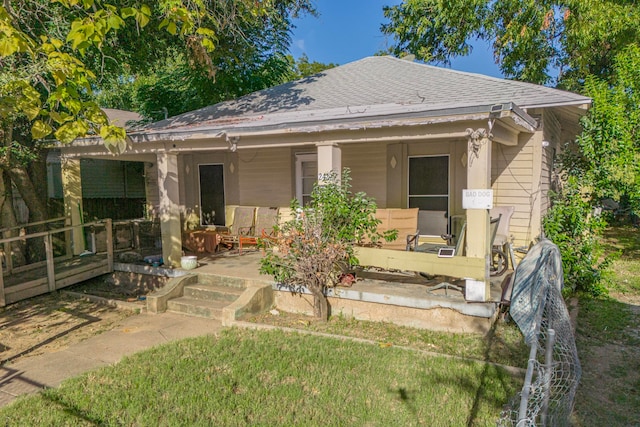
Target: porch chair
point(266, 219)
point(502, 241)
point(243, 222)
point(403, 220)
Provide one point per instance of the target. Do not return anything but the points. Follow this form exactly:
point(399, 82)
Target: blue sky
point(349, 30)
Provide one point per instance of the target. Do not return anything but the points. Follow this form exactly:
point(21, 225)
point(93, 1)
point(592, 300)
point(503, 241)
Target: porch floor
point(405, 289)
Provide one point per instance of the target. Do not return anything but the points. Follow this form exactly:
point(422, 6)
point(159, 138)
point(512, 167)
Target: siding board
point(368, 169)
point(265, 177)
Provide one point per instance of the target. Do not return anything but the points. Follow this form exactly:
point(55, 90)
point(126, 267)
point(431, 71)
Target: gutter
point(365, 117)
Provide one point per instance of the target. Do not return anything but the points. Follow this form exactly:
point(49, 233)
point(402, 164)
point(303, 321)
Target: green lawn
point(609, 342)
point(246, 377)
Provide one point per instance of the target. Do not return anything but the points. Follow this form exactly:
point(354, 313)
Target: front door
point(211, 194)
point(429, 191)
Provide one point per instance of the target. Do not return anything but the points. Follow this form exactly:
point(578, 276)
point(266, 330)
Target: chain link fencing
point(554, 370)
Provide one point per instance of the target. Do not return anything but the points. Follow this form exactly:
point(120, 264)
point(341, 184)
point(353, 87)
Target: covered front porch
point(449, 144)
point(254, 168)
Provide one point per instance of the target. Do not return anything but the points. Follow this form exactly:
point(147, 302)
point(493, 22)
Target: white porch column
point(72, 193)
point(479, 177)
point(169, 212)
point(329, 159)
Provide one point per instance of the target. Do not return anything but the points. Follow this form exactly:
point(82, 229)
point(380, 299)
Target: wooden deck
point(18, 283)
point(27, 284)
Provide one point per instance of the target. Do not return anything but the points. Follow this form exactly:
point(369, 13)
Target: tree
point(604, 162)
point(302, 67)
point(314, 249)
point(54, 55)
point(530, 38)
point(607, 154)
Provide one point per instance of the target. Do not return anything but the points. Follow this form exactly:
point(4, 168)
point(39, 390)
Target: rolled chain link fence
point(553, 371)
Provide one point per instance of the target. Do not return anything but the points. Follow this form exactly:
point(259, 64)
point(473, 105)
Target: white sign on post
point(477, 198)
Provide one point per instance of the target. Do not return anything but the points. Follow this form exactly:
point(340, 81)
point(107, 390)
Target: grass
point(503, 344)
point(246, 377)
point(608, 340)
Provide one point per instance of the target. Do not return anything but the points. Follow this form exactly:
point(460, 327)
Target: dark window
point(429, 190)
point(211, 194)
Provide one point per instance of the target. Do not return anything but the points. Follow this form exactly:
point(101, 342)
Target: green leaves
point(19, 97)
point(71, 130)
point(142, 15)
point(530, 38)
point(11, 39)
point(114, 138)
point(40, 129)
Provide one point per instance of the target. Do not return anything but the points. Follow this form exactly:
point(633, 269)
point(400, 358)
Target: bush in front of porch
point(316, 247)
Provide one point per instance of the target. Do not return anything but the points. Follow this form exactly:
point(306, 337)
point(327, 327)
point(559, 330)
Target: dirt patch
point(51, 322)
point(55, 321)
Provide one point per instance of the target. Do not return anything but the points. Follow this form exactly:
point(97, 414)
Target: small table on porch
point(201, 241)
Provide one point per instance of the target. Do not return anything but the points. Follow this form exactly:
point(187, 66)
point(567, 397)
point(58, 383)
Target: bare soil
point(55, 321)
point(51, 322)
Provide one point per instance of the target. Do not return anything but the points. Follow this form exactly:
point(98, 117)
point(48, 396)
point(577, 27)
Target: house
point(413, 135)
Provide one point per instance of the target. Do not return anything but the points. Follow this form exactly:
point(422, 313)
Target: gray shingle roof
point(373, 82)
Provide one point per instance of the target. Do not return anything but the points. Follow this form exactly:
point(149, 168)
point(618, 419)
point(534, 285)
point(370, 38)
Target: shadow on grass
point(53, 397)
point(623, 240)
point(503, 377)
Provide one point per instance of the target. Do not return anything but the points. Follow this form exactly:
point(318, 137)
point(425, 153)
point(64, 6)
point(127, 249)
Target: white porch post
point(479, 177)
point(169, 212)
point(72, 193)
point(329, 159)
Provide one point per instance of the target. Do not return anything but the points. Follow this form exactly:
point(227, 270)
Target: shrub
point(314, 249)
point(571, 225)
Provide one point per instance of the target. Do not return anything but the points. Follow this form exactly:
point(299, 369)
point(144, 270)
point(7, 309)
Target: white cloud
point(299, 43)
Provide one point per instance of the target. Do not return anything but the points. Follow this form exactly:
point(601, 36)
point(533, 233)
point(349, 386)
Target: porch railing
point(6, 233)
point(39, 275)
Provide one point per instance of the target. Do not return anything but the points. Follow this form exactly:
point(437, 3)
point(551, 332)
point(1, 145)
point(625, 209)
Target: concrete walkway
point(133, 334)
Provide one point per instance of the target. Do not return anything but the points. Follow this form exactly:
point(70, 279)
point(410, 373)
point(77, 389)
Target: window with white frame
point(306, 176)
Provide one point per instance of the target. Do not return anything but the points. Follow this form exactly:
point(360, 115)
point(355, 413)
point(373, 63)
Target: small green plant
point(315, 248)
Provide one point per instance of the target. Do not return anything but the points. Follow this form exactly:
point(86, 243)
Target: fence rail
point(56, 267)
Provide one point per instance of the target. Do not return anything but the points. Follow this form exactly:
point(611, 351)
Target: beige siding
point(515, 183)
point(367, 163)
point(265, 177)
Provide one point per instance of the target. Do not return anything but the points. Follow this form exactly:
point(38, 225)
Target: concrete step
point(212, 279)
point(210, 292)
point(196, 307)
